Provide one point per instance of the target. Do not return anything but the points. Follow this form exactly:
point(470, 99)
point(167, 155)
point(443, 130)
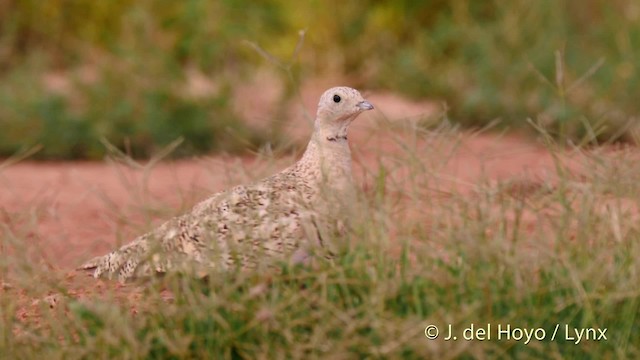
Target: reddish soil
point(70, 212)
point(74, 211)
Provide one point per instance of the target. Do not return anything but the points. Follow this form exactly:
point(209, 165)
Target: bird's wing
point(230, 227)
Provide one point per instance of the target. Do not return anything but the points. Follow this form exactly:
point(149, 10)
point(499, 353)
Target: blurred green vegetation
point(75, 71)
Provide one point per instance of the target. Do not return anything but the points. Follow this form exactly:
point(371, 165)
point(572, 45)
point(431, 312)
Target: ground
point(72, 211)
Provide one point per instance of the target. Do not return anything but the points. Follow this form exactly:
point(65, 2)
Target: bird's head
point(339, 106)
point(340, 103)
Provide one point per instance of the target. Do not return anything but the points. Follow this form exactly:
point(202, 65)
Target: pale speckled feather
point(271, 217)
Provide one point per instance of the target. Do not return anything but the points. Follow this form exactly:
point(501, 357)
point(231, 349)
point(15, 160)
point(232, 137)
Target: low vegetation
point(528, 254)
point(141, 73)
point(545, 256)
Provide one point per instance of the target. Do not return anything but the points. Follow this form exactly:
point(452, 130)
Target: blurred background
point(141, 73)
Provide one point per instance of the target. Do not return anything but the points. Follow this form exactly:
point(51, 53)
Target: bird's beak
point(364, 105)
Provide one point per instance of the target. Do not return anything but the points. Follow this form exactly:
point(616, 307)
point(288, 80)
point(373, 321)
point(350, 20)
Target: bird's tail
point(122, 262)
point(91, 264)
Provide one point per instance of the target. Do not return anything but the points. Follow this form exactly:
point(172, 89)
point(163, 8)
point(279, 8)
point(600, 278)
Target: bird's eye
point(336, 98)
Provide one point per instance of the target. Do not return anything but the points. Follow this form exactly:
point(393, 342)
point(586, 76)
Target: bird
point(280, 216)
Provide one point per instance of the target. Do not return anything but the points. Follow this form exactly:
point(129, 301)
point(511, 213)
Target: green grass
point(508, 253)
point(125, 66)
point(529, 255)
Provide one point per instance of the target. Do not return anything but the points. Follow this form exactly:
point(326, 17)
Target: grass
point(129, 71)
point(526, 253)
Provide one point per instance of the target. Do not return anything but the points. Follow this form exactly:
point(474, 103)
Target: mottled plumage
point(277, 216)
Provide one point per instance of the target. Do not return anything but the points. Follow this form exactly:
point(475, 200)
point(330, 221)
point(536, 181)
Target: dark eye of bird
point(336, 98)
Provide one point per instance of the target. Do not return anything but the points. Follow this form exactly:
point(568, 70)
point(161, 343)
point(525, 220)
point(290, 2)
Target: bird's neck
point(328, 157)
point(332, 131)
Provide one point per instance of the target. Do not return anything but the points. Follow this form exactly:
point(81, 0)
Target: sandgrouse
point(274, 217)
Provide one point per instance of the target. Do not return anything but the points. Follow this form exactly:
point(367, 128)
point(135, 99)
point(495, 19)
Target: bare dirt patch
point(67, 212)
point(73, 211)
